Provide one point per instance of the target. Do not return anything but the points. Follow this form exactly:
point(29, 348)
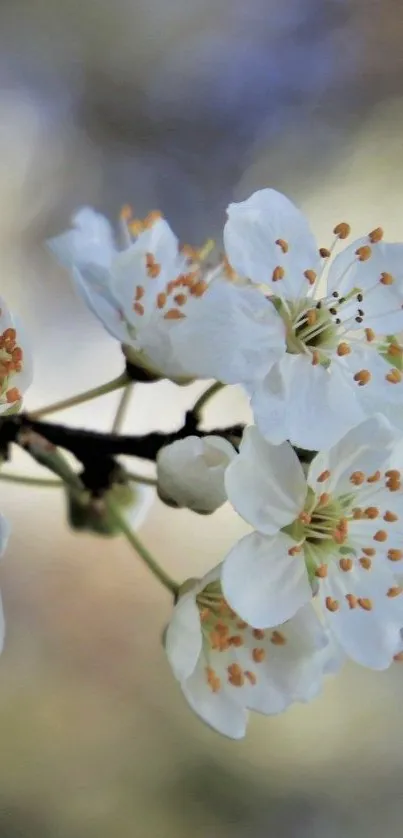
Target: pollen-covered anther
point(376, 235)
point(305, 517)
point(394, 376)
point(386, 279)
point(283, 244)
point(357, 513)
point(390, 516)
point(324, 499)
point(324, 252)
point(294, 550)
point(393, 473)
point(343, 349)
point(161, 299)
point(311, 317)
point(352, 600)
point(198, 288)
point(357, 478)
point(236, 640)
point(381, 535)
point(396, 590)
point(212, 679)
point(126, 213)
point(368, 551)
point(362, 377)
point(278, 273)
point(365, 603)
point(373, 478)
point(13, 395)
point(258, 654)
point(278, 638)
point(235, 675)
point(310, 276)
point(151, 218)
point(139, 293)
point(398, 657)
point(342, 230)
point(258, 634)
point(321, 571)
point(370, 335)
point(363, 253)
point(395, 555)
point(250, 676)
point(152, 267)
point(324, 475)
point(371, 512)
point(365, 562)
point(180, 299)
point(138, 308)
point(395, 350)
point(346, 564)
point(241, 624)
point(332, 604)
point(174, 314)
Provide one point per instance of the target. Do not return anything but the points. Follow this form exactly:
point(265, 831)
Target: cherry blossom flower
point(334, 534)
point(226, 668)
point(15, 362)
point(190, 472)
point(342, 362)
point(160, 301)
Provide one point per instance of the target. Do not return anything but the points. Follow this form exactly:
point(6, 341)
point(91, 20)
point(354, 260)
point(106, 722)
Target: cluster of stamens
point(325, 528)
point(224, 631)
point(318, 328)
point(11, 358)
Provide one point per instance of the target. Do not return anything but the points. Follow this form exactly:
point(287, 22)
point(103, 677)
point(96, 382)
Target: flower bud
point(190, 473)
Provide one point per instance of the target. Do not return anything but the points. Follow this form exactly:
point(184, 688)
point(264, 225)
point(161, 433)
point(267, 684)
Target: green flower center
point(310, 328)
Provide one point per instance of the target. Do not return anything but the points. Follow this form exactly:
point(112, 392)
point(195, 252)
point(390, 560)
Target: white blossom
point(334, 534)
point(161, 303)
point(225, 667)
point(341, 361)
point(190, 472)
point(15, 361)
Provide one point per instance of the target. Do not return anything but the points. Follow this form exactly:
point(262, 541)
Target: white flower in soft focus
point(335, 534)
point(342, 362)
point(226, 668)
point(190, 472)
point(159, 301)
point(15, 362)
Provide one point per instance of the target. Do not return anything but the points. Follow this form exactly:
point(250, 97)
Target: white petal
point(310, 406)
point(365, 448)
point(183, 637)
point(370, 637)
point(262, 582)
point(265, 483)
point(4, 533)
point(250, 236)
point(231, 333)
point(216, 709)
point(379, 391)
point(94, 285)
point(191, 472)
point(89, 242)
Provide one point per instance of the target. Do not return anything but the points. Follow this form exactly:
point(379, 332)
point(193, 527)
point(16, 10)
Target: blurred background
point(182, 106)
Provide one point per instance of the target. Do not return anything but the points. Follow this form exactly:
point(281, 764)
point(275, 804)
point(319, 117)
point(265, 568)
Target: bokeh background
point(181, 106)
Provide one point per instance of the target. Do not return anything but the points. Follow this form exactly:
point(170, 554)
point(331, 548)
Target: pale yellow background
point(184, 106)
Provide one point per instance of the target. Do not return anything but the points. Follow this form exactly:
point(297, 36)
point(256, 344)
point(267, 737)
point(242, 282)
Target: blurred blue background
point(182, 106)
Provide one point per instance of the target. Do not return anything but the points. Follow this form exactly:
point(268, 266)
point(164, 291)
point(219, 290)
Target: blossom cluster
point(311, 334)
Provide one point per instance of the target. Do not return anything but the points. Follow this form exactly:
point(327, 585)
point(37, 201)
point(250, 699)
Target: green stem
point(139, 547)
point(206, 396)
point(122, 408)
point(43, 482)
point(87, 396)
point(138, 478)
